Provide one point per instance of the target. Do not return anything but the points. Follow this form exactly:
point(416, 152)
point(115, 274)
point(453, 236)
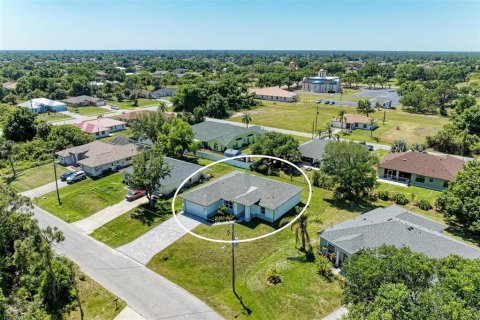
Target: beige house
point(98, 157)
point(275, 94)
point(353, 121)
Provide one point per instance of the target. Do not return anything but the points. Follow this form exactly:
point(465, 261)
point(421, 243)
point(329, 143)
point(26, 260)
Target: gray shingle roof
point(222, 132)
point(180, 170)
point(245, 189)
point(313, 149)
point(398, 227)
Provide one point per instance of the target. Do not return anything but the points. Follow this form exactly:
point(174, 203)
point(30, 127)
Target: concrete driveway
point(147, 293)
point(146, 246)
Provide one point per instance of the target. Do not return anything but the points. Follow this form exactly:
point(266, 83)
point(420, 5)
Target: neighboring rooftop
point(222, 132)
point(398, 227)
point(313, 149)
point(435, 166)
point(274, 91)
point(40, 102)
point(354, 118)
point(129, 116)
point(82, 99)
point(243, 188)
point(97, 125)
point(9, 85)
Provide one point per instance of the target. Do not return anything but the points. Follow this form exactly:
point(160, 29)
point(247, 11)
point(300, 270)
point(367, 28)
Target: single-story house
point(98, 157)
point(128, 117)
point(180, 170)
point(353, 121)
point(244, 195)
point(9, 85)
point(141, 93)
point(420, 169)
point(101, 127)
point(165, 92)
point(312, 151)
point(275, 94)
point(395, 226)
point(82, 101)
point(222, 136)
point(40, 105)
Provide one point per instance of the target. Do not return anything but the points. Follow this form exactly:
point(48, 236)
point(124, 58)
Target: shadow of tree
point(147, 215)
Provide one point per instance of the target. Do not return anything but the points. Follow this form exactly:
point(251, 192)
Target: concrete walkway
point(128, 314)
point(146, 246)
point(88, 225)
point(46, 188)
point(337, 314)
point(149, 294)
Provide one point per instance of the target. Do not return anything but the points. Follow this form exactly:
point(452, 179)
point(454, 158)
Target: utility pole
point(384, 115)
point(316, 120)
point(233, 258)
point(56, 182)
point(313, 129)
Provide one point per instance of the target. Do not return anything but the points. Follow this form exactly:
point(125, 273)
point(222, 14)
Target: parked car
point(65, 175)
point(327, 102)
point(114, 107)
point(134, 195)
point(76, 176)
point(332, 102)
point(318, 101)
point(368, 146)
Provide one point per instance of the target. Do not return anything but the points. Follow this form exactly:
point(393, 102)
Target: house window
point(430, 180)
point(129, 158)
point(330, 248)
point(262, 210)
point(364, 126)
point(420, 179)
point(445, 184)
point(229, 205)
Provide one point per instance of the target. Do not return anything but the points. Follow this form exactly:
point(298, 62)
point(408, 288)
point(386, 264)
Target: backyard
point(84, 198)
point(300, 116)
point(34, 177)
point(142, 103)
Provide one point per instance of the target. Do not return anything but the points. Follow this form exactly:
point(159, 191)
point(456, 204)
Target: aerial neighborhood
point(210, 184)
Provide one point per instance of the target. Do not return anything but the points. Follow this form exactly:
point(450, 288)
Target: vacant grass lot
point(142, 102)
point(34, 177)
point(85, 198)
point(52, 117)
point(97, 302)
point(300, 116)
point(88, 111)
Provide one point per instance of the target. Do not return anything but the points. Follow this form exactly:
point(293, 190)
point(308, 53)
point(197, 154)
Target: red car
point(134, 195)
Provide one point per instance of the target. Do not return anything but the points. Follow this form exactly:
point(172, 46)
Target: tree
point(148, 125)
point(327, 132)
point(176, 138)
point(300, 226)
point(67, 136)
point(277, 145)
point(20, 125)
point(372, 123)
point(7, 149)
point(461, 200)
point(149, 169)
point(341, 116)
point(246, 118)
point(398, 146)
point(217, 106)
point(352, 168)
point(364, 107)
point(418, 147)
point(43, 129)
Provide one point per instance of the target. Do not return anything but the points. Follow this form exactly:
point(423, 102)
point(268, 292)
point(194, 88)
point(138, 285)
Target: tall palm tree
point(327, 132)
point(246, 119)
point(371, 122)
point(301, 232)
point(341, 117)
point(7, 148)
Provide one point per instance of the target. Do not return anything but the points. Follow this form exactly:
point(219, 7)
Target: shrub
point(400, 199)
point(324, 267)
point(383, 195)
point(423, 204)
point(274, 276)
point(322, 180)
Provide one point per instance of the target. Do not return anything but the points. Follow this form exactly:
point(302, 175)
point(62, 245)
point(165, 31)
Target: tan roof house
point(98, 157)
point(275, 94)
point(420, 169)
point(351, 121)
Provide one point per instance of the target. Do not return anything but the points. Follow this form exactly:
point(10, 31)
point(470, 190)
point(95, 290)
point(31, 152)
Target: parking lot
point(380, 95)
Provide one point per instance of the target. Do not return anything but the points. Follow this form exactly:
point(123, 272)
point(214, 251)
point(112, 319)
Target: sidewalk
point(46, 188)
point(88, 225)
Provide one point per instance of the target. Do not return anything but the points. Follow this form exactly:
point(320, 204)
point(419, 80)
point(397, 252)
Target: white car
point(114, 107)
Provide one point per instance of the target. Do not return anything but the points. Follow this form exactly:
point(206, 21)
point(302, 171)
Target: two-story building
point(322, 83)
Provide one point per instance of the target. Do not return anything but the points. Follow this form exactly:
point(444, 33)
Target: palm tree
point(327, 131)
point(7, 148)
point(246, 119)
point(162, 107)
point(341, 117)
point(371, 122)
point(300, 226)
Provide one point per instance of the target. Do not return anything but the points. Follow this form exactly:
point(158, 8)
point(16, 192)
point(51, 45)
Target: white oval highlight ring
point(249, 239)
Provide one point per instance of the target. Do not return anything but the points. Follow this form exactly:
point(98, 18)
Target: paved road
point(148, 245)
point(46, 188)
point(88, 225)
point(337, 314)
point(128, 314)
point(147, 293)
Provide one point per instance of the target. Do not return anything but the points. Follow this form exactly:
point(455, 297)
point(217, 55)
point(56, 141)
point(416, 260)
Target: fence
point(215, 157)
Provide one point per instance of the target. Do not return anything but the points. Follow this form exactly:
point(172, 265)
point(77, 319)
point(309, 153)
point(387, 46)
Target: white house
point(275, 94)
point(244, 195)
point(322, 83)
point(40, 105)
point(164, 92)
point(354, 121)
point(101, 127)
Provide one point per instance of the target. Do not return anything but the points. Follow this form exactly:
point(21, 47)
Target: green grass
point(88, 111)
point(34, 177)
point(142, 103)
point(52, 117)
point(97, 302)
point(299, 116)
point(127, 133)
point(85, 198)
point(412, 193)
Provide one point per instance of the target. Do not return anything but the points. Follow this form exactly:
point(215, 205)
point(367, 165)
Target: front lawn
point(299, 116)
point(88, 111)
point(52, 117)
point(128, 105)
point(34, 177)
point(85, 198)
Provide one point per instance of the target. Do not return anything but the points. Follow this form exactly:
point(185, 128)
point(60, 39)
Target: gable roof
point(96, 125)
point(245, 189)
point(398, 227)
point(441, 167)
point(222, 132)
point(38, 102)
point(80, 99)
point(313, 148)
point(274, 91)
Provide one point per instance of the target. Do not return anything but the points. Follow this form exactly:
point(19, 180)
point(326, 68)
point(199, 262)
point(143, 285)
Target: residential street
point(148, 294)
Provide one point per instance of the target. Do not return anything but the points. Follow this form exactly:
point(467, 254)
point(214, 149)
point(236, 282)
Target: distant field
point(88, 111)
point(300, 116)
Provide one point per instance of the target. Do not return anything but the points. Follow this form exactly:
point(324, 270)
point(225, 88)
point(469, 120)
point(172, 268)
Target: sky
point(241, 25)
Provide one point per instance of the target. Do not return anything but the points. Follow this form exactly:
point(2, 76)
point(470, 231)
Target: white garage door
point(195, 209)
